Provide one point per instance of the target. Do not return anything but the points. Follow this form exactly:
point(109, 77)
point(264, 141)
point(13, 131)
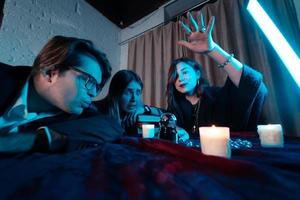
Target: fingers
point(124, 122)
point(202, 27)
point(130, 119)
point(185, 28)
point(134, 118)
point(184, 43)
point(211, 24)
point(202, 24)
point(183, 135)
point(193, 22)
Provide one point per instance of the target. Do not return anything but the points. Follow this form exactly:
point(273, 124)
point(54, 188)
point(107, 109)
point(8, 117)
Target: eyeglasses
point(90, 82)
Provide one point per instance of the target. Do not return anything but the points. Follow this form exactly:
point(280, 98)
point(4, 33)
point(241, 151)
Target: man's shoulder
point(10, 73)
point(12, 79)
point(6, 68)
point(102, 105)
point(96, 128)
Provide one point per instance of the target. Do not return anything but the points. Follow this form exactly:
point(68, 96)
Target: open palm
point(199, 41)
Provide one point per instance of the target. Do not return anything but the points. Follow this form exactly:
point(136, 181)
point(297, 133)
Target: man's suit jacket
point(89, 127)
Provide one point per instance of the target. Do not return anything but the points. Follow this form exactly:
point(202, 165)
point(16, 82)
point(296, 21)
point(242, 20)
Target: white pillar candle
point(148, 130)
point(270, 135)
point(215, 141)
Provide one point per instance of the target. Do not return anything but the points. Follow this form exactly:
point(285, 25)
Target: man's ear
point(51, 75)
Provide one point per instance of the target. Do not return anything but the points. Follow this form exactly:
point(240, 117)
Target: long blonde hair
point(117, 86)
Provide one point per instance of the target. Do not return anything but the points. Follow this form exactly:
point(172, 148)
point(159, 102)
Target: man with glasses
point(90, 81)
point(51, 96)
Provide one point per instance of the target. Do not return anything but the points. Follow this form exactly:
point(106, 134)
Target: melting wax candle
point(148, 130)
point(215, 141)
point(270, 135)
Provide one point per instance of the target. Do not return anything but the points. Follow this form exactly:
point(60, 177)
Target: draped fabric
point(235, 31)
point(136, 168)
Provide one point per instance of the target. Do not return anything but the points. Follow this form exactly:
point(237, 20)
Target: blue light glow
point(279, 43)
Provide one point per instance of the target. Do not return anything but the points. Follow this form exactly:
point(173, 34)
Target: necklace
point(196, 114)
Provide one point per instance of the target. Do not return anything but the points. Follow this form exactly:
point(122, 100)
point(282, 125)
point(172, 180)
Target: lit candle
point(215, 141)
point(148, 130)
point(270, 135)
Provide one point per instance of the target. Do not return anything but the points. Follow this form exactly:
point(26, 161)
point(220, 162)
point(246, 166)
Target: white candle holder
point(270, 135)
point(215, 141)
point(148, 130)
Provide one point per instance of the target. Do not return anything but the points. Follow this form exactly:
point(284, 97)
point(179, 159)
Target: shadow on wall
point(1, 11)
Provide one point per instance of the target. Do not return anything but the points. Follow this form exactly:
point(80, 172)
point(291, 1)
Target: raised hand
point(200, 40)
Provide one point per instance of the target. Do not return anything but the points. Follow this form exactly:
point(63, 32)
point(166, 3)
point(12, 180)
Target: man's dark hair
point(61, 52)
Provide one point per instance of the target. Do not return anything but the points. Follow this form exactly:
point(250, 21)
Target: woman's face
point(131, 97)
point(187, 78)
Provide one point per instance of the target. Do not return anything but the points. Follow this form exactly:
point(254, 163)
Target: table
point(136, 168)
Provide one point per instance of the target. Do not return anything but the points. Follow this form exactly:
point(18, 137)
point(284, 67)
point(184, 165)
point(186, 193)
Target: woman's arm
point(233, 68)
point(201, 41)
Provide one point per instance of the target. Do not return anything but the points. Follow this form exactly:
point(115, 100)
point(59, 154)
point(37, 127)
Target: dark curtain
point(235, 30)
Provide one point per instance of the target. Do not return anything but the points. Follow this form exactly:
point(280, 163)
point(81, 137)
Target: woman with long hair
point(123, 101)
point(237, 104)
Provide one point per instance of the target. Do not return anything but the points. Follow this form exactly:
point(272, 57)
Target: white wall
point(28, 24)
point(124, 56)
point(153, 19)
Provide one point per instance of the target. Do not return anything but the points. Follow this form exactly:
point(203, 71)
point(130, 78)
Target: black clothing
point(236, 107)
point(90, 126)
point(103, 107)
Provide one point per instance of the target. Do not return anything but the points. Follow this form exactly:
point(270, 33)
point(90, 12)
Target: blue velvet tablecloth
point(136, 168)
